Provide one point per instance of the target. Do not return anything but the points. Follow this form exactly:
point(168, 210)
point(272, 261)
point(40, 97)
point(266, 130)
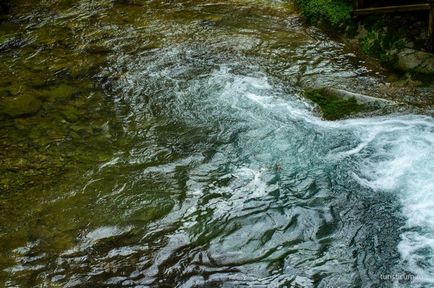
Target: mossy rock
point(333, 107)
point(20, 106)
point(61, 92)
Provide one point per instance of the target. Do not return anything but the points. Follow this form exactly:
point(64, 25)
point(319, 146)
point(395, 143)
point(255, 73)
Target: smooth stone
point(360, 98)
point(19, 106)
point(415, 61)
point(62, 91)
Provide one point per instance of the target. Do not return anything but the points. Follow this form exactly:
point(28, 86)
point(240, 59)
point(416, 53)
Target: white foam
point(406, 167)
point(394, 153)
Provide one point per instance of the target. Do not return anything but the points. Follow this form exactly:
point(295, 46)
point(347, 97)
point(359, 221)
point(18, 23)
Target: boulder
point(336, 104)
point(360, 98)
point(415, 61)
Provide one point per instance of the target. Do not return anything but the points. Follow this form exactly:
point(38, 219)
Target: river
point(171, 147)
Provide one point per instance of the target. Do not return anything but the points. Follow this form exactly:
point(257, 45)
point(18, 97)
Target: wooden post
point(431, 27)
point(427, 6)
point(359, 5)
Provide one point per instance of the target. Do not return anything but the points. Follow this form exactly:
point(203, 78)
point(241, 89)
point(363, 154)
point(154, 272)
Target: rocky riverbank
point(399, 41)
point(396, 42)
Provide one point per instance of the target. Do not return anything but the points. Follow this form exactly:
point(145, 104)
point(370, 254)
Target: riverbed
point(167, 144)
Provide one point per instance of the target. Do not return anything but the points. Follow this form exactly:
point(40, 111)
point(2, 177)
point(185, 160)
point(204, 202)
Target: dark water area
point(166, 144)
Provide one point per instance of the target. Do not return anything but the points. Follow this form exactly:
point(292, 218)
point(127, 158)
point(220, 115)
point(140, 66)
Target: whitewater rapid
point(389, 155)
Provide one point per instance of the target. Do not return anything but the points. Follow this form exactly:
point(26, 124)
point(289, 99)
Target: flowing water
point(172, 149)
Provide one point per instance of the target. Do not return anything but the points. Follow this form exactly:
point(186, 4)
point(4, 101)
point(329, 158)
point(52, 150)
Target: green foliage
point(378, 43)
point(333, 107)
point(335, 12)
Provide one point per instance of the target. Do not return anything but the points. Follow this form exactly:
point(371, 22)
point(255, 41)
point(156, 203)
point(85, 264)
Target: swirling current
point(204, 165)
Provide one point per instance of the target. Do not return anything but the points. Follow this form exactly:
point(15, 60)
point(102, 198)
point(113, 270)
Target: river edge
point(408, 69)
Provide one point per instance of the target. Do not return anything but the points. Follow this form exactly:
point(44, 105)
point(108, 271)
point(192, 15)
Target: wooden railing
point(428, 6)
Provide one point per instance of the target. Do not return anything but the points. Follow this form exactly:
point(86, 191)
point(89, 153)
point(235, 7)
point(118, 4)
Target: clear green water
point(165, 144)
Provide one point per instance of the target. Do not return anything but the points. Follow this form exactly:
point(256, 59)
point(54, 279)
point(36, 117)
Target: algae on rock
point(333, 107)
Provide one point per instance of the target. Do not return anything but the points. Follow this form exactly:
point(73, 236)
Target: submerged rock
point(19, 106)
point(210, 21)
point(59, 92)
point(70, 114)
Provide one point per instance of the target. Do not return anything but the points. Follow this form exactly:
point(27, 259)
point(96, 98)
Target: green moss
point(333, 107)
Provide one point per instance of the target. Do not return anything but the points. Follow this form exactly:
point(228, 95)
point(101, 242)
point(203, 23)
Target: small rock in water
point(62, 91)
point(210, 21)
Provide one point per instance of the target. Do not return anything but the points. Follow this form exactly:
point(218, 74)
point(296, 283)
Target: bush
point(336, 12)
point(378, 42)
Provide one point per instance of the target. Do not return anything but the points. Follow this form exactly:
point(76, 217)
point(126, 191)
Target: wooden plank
point(393, 9)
